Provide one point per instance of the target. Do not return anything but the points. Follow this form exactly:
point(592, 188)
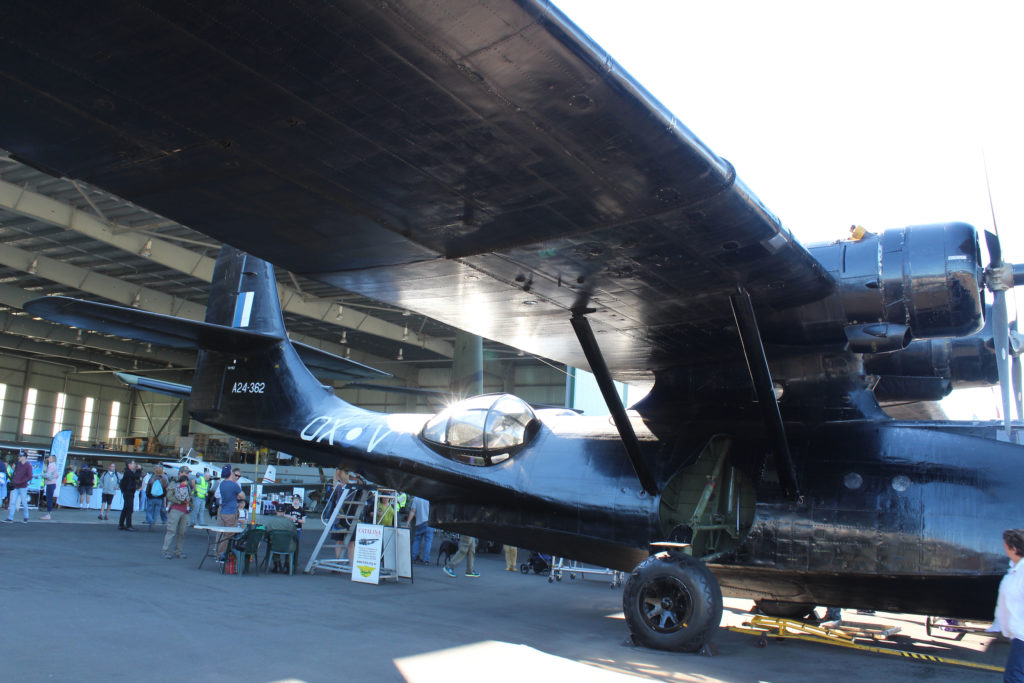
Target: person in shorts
point(85, 483)
point(109, 483)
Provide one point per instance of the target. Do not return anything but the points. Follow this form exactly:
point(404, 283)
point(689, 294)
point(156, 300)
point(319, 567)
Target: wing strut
point(757, 364)
point(585, 334)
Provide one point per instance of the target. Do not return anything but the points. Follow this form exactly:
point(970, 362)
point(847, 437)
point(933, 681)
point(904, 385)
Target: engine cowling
point(928, 369)
point(925, 278)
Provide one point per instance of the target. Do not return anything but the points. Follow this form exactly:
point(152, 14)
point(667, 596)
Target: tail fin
point(243, 315)
point(243, 295)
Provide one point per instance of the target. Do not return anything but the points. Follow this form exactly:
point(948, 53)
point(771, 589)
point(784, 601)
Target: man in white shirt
point(1010, 605)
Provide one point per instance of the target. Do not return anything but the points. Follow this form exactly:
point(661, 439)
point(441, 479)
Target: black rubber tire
point(672, 602)
point(524, 568)
point(784, 610)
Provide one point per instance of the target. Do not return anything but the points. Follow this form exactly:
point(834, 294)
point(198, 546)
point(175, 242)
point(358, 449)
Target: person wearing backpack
point(85, 482)
point(178, 497)
point(156, 491)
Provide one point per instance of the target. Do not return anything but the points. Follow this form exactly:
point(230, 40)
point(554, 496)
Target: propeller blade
point(1017, 388)
point(995, 252)
point(1001, 340)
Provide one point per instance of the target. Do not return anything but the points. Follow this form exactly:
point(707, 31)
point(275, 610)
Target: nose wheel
point(672, 602)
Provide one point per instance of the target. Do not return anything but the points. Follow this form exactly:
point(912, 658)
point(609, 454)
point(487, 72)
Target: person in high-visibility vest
point(70, 478)
point(200, 489)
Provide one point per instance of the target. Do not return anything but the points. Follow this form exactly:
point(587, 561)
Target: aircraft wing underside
point(483, 163)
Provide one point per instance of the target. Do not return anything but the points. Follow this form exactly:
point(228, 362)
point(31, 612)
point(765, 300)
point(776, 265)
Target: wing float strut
point(757, 364)
point(585, 334)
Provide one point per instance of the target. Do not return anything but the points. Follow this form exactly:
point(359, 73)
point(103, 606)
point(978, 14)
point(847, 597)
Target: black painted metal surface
point(892, 514)
point(418, 153)
point(436, 154)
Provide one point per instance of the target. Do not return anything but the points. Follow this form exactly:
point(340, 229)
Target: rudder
point(243, 294)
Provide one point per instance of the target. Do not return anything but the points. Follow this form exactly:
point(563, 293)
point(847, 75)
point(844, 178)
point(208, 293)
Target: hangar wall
point(50, 379)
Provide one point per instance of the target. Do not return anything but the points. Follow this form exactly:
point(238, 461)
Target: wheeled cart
point(561, 566)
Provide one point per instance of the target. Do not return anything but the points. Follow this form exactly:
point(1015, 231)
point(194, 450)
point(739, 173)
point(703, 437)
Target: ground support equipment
point(560, 566)
point(763, 627)
point(342, 564)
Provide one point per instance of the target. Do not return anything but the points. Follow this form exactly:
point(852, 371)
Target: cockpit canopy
point(481, 430)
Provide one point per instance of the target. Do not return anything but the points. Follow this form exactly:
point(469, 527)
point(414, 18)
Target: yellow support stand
point(788, 628)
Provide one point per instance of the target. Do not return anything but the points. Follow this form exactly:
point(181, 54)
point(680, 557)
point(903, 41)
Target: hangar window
point(481, 430)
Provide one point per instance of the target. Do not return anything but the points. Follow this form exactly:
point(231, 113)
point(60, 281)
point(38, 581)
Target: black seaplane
point(486, 164)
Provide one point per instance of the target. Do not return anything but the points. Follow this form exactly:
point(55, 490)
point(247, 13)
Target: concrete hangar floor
point(83, 601)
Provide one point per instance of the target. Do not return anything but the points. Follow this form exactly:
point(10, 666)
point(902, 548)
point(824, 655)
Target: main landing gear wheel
point(784, 610)
point(672, 602)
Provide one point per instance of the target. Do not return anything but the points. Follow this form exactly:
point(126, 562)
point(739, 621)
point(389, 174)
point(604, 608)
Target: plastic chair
point(253, 538)
point(283, 542)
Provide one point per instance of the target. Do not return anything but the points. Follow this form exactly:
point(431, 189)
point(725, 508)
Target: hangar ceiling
point(61, 236)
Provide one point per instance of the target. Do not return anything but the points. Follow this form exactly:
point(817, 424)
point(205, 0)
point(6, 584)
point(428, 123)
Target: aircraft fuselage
point(900, 516)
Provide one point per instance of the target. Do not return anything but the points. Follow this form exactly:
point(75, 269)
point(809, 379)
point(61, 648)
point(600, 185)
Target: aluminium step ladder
point(349, 508)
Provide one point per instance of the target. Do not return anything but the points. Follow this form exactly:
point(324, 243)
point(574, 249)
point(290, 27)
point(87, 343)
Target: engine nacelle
point(928, 369)
point(925, 277)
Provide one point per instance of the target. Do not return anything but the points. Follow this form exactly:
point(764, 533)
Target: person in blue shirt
point(231, 496)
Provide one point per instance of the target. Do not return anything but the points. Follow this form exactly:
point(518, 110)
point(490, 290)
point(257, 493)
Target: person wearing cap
point(296, 512)
point(19, 486)
point(231, 496)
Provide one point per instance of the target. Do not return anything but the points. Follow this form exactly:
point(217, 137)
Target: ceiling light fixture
point(400, 353)
point(344, 337)
point(147, 249)
point(341, 312)
point(33, 267)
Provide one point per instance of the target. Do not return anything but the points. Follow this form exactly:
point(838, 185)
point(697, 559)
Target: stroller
point(540, 564)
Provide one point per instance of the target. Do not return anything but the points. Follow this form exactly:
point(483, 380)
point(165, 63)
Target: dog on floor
point(447, 549)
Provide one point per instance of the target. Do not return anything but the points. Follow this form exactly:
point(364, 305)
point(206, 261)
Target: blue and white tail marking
point(243, 309)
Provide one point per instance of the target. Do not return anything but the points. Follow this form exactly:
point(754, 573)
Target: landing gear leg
point(672, 602)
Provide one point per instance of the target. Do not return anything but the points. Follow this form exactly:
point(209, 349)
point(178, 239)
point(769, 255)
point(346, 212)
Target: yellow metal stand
point(788, 628)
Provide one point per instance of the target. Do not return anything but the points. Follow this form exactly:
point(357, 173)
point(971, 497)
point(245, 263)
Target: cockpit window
point(481, 430)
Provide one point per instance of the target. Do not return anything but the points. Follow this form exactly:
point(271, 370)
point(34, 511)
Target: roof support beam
point(42, 208)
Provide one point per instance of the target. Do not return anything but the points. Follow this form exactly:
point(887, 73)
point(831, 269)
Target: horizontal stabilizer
point(158, 386)
point(144, 326)
point(179, 333)
point(329, 366)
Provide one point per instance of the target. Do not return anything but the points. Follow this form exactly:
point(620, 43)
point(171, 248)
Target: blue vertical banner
point(59, 448)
